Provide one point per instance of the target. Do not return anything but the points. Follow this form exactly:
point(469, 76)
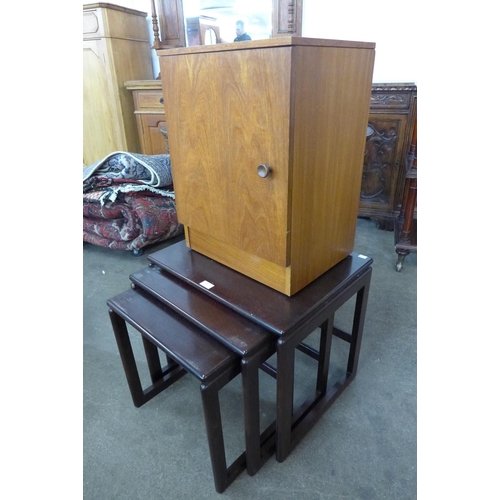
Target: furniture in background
point(392, 113)
point(405, 234)
point(116, 48)
point(267, 179)
point(202, 30)
point(167, 18)
point(150, 115)
point(393, 110)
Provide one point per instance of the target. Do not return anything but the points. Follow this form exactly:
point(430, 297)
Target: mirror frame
point(168, 19)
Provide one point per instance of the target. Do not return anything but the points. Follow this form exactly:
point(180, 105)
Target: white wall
point(389, 25)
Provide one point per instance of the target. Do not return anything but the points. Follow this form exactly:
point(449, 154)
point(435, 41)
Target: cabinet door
point(102, 130)
point(228, 112)
point(153, 142)
point(382, 160)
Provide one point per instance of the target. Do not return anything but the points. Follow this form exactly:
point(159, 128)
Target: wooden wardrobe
point(116, 48)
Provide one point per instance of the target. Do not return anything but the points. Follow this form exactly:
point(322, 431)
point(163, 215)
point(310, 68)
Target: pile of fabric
point(129, 201)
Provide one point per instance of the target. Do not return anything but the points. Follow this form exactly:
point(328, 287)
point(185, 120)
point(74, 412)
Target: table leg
point(213, 423)
point(127, 356)
point(358, 324)
point(250, 382)
point(284, 391)
point(324, 356)
point(153, 360)
point(258, 447)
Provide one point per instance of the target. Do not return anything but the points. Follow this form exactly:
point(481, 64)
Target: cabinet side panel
point(226, 113)
point(131, 61)
point(101, 124)
point(331, 98)
point(126, 24)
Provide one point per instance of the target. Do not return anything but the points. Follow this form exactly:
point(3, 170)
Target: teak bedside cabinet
point(267, 140)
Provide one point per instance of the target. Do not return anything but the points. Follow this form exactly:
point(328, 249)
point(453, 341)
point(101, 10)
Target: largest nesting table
point(290, 320)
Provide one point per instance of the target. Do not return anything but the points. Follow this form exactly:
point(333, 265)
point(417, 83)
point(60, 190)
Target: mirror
point(210, 37)
point(263, 19)
point(255, 16)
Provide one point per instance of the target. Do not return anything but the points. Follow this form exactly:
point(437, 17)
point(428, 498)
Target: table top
point(256, 301)
point(200, 354)
point(232, 329)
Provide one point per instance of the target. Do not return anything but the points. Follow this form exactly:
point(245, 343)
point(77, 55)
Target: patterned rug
point(129, 201)
point(153, 170)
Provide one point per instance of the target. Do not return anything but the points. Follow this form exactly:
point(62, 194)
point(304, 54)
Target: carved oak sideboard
point(393, 111)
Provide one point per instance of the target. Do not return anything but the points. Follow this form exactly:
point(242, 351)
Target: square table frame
point(291, 319)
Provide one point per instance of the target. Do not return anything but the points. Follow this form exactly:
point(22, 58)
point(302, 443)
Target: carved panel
point(171, 21)
point(287, 17)
point(153, 139)
point(380, 154)
point(390, 100)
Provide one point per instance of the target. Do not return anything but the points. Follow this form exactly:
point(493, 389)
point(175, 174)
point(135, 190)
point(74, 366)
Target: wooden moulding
point(282, 41)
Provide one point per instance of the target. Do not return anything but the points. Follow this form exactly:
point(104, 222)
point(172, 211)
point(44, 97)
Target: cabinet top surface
point(104, 5)
point(282, 41)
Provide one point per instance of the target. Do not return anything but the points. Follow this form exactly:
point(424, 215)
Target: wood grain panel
point(149, 100)
point(153, 142)
point(383, 148)
point(114, 21)
point(100, 104)
point(171, 20)
point(246, 263)
point(225, 116)
point(331, 96)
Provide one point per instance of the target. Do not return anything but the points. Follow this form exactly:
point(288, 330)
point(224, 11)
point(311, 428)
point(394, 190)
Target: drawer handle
point(263, 170)
point(161, 100)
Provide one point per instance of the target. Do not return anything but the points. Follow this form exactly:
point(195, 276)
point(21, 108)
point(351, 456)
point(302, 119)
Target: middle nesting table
point(250, 341)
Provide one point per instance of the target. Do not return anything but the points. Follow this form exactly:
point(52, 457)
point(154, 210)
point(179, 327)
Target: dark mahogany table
point(290, 320)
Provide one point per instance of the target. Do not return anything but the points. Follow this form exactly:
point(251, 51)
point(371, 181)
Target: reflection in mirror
point(210, 37)
point(255, 14)
point(202, 30)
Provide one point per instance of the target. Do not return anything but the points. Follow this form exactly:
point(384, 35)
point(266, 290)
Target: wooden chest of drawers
point(267, 140)
point(150, 115)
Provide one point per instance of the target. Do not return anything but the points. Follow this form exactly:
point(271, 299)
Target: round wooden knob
point(263, 170)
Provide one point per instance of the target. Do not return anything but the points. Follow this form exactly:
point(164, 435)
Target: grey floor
point(364, 447)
